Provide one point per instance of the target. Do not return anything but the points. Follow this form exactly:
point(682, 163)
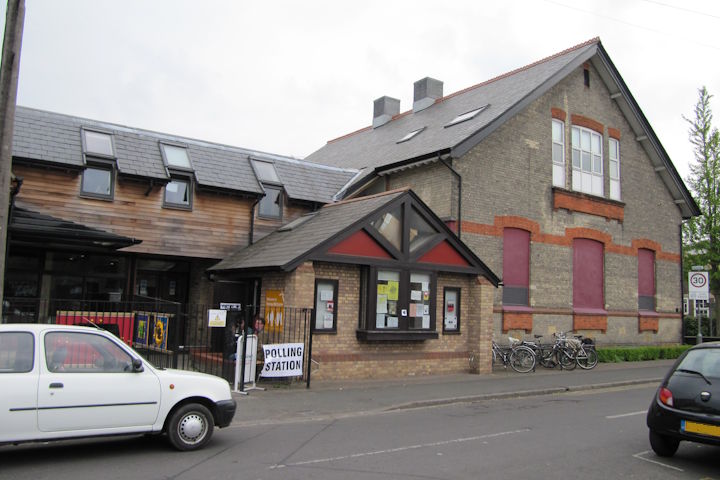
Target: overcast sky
point(287, 76)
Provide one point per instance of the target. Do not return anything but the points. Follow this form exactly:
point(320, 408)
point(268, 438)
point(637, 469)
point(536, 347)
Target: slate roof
point(372, 148)
point(284, 246)
point(53, 138)
point(376, 150)
point(297, 241)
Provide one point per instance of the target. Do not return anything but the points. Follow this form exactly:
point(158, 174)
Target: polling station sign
point(283, 360)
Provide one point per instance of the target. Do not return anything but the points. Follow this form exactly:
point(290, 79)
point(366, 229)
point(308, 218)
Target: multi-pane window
point(98, 153)
point(587, 164)
point(702, 308)
point(588, 274)
point(646, 279)
point(516, 266)
point(179, 190)
point(558, 153)
point(614, 156)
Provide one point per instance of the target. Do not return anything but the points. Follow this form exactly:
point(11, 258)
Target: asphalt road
point(596, 434)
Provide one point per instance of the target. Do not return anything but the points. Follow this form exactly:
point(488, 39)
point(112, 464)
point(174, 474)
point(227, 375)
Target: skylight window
point(98, 143)
point(175, 156)
point(265, 171)
point(464, 117)
point(410, 135)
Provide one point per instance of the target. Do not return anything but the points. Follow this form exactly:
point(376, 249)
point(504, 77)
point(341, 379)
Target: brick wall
point(509, 176)
point(341, 356)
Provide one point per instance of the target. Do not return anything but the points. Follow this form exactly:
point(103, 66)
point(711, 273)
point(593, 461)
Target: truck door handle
point(56, 385)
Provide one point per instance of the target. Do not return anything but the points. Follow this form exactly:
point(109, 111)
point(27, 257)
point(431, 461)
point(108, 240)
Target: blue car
point(686, 406)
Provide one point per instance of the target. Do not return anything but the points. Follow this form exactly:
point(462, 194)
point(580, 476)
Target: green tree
point(701, 235)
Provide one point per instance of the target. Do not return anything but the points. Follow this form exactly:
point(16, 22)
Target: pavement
point(282, 403)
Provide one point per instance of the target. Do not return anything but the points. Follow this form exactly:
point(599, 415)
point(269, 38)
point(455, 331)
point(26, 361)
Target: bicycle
point(585, 354)
point(519, 357)
point(552, 355)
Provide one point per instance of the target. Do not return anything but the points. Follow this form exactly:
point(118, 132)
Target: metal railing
point(174, 335)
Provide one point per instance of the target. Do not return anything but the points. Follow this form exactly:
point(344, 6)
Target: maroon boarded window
point(646, 279)
point(587, 274)
point(516, 266)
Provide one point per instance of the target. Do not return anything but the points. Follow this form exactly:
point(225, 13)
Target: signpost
point(698, 289)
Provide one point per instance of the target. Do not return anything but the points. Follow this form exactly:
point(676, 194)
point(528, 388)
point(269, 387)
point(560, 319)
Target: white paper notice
point(416, 295)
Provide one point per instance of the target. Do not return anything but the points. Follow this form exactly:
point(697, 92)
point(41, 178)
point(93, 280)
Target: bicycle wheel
point(522, 359)
point(566, 357)
point(587, 358)
point(546, 358)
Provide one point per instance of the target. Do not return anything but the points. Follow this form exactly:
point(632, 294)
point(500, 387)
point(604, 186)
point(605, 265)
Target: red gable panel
point(444, 254)
point(360, 244)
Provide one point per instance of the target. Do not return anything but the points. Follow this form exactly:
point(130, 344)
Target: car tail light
point(666, 397)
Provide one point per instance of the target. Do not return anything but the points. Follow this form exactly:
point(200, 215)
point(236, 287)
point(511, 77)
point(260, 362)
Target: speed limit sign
point(698, 287)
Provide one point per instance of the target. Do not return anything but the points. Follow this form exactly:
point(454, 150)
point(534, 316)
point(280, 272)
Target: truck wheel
point(190, 427)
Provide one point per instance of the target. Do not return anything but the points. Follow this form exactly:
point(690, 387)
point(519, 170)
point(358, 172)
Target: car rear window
point(17, 352)
point(703, 360)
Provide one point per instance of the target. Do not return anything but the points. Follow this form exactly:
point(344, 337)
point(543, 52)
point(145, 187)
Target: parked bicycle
point(550, 355)
point(519, 357)
point(585, 354)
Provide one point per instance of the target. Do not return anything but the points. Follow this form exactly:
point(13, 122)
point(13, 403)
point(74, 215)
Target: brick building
point(553, 176)
point(393, 290)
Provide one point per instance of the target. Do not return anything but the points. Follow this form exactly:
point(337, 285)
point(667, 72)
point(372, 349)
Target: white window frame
point(587, 179)
point(614, 173)
point(558, 164)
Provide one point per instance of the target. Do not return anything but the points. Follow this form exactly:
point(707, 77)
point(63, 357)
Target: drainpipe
point(252, 221)
point(682, 293)
point(459, 179)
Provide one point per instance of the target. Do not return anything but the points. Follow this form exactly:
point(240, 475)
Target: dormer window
point(464, 117)
point(98, 178)
point(271, 205)
point(179, 190)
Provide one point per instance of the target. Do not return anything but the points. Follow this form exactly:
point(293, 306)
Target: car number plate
point(701, 428)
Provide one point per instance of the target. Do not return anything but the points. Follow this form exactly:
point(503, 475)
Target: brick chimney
point(426, 91)
point(384, 109)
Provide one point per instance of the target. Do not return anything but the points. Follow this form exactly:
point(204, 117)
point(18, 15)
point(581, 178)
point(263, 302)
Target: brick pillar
point(300, 287)
point(480, 323)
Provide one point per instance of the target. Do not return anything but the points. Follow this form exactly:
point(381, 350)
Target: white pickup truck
point(59, 382)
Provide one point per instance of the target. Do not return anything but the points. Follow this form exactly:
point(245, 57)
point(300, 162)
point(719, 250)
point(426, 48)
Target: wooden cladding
point(216, 226)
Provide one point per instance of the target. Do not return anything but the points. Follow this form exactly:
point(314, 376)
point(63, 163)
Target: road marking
point(638, 456)
point(641, 412)
point(400, 449)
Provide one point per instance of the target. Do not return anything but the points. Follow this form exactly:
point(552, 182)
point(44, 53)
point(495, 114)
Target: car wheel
point(190, 427)
point(663, 445)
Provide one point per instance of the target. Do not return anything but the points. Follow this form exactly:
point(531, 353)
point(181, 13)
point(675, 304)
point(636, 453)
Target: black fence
point(709, 328)
point(174, 335)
